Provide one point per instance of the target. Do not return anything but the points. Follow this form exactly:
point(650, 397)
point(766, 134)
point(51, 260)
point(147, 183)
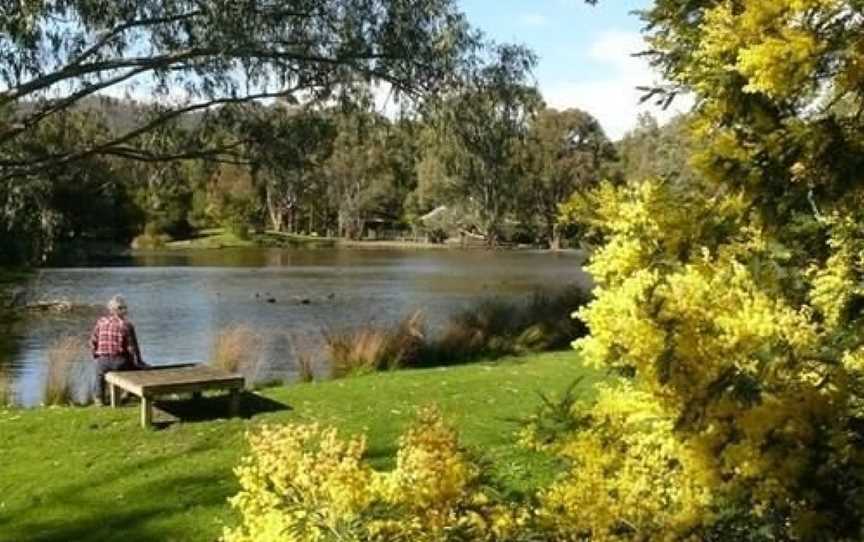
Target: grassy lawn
point(93, 474)
point(216, 238)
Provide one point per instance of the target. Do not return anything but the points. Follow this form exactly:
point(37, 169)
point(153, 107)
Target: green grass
point(93, 474)
point(216, 238)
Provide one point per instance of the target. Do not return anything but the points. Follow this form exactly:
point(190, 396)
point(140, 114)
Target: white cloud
point(613, 100)
point(533, 19)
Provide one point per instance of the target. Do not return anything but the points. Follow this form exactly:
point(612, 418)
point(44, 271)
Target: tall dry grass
point(495, 328)
point(303, 349)
point(305, 367)
point(367, 349)
point(7, 390)
point(66, 366)
point(488, 330)
point(238, 349)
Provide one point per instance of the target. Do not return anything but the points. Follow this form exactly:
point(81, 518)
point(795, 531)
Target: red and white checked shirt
point(115, 336)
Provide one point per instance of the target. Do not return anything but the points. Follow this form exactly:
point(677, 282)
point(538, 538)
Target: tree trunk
point(492, 234)
point(274, 212)
point(555, 238)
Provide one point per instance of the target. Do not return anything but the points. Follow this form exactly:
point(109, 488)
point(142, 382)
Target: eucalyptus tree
point(358, 175)
point(653, 151)
point(191, 56)
point(484, 125)
point(565, 151)
point(290, 147)
point(204, 53)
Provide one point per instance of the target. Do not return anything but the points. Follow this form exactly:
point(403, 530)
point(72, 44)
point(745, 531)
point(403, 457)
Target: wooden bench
point(149, 384)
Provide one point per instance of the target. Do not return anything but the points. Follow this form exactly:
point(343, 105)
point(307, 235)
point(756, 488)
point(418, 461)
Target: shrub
point(238, 349)
point(303, 350)
point(367, 349)
point(492, 329)
point(547, 322)
point(238, 227)
point(238, 215)
point(304, 483)
point(485, 330)
point(555, 419)
point(629, 477)
point(65, 360)
point(305, 373)
point(152, 238)
point(496, 328)
point(7, 390)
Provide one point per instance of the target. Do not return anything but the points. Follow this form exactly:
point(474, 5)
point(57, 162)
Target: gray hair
point(117, 305)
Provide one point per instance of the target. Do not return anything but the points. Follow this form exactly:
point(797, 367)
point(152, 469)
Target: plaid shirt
point(115, 336)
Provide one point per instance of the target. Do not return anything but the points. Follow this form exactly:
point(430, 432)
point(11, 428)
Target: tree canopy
point(483, 124)
point(190, 56)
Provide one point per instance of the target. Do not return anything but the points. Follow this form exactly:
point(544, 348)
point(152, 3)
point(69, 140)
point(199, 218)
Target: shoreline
point(218, 239)
point(215, 239)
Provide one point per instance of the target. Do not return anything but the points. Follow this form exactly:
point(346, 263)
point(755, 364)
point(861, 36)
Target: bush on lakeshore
point(303, 349)
point(7, 390)
point(66, 365)
point(237, 349)
point(238, 228)
point(368, 349)
point(496, 328)
point(305, 372)
point(305, 483)
point(151, 238)
point(489, 330)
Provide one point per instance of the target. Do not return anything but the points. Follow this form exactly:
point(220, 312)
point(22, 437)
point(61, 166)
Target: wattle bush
point(304, 483)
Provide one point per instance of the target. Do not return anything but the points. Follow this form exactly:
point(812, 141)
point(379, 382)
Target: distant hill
point(121, 115)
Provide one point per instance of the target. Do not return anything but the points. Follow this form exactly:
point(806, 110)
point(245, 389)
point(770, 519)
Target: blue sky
point(585, 52)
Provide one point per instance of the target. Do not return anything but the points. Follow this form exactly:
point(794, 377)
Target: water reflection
point(179, 301)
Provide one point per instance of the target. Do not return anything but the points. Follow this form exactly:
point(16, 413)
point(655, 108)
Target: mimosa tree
point(732, 306)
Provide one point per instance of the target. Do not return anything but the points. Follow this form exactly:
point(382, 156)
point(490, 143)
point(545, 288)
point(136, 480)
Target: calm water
point(180, 301)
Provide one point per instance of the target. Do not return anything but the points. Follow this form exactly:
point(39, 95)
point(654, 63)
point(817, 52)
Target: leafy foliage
point(210, 53)
point(565, 151)
point(195, 60)
point(485, 124)
point(730, 305)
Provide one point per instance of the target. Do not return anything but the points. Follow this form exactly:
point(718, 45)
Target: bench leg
point(234, 403)
point(112, 392)
point(196, 395)
point(146, 412)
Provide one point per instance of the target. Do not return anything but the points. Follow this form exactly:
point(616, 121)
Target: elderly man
point(114, 344)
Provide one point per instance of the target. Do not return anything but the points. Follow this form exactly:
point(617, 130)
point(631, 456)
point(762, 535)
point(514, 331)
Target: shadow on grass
point(209, 408)
point(129, 521)
point(133, 505)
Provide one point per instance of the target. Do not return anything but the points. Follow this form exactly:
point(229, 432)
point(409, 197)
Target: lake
point(179, 301)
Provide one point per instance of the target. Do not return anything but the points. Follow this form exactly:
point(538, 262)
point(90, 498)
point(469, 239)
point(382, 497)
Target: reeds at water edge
point(238, 349)
point(66, 358)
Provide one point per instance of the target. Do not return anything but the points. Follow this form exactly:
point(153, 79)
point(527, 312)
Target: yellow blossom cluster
point(630, 478)
point(303, 483)
point(772, 43)
point(735, 305)
point(732, 373)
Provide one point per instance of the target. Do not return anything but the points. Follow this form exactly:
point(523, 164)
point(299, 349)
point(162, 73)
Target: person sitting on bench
point(114, 345)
